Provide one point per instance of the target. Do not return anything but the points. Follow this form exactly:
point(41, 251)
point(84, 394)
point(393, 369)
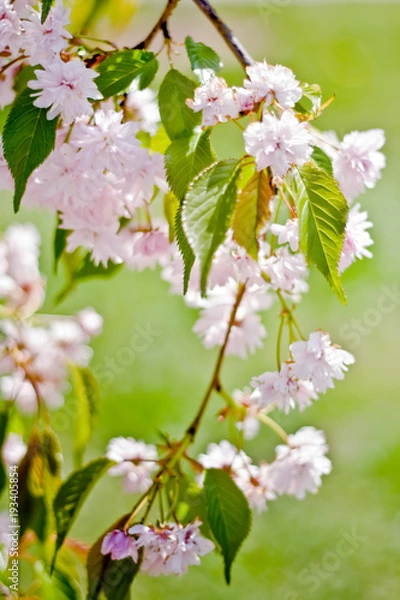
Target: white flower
point(42, 42)
point(65, 88)
point(257, 485)
point(5, 540)
point(170, 549)
point(216, 100)
point(247, 332)
point(145, 249)
point(120, 545)
point(278, 143)
point(14, 449)
point(288, 233)
point(224, 456)
point(320, 361)
point(359, 163)
point(268, 83)
point(90, 321)
point(136, 461)
point(10, 27)
point(7, 92)
point(287, 271)
point(357, 238)
point(299, 465)
point(245, 99)
point(283, 389)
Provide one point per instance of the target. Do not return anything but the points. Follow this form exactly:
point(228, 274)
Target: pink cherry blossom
point(357, 239)
point(120, 545)
point(42, 42)
point(136, 462)
point(271, 83)
point(216, 100)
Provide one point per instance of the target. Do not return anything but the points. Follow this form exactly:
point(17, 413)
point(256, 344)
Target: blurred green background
point(343, 543)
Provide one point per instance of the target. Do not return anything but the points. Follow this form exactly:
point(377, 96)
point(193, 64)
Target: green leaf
point(120, 68)
point(323, 220)
point(28, 139)
point(185, 158)
point(202, 56)
point(229, 514)
point(72, 494)
point(185, 249)
point(38, 481)
point(178, 119)
point(87, 396)
point(322, 160)
point(207, 211)
point(252, 212)
point(171, 206)
point(112, 578)
point(311, 101)
point(46, 6)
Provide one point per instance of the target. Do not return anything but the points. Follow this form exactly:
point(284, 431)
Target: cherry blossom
point(271, 83)
point(319, 361)
point(14, 449)
point(357, 239)
point(299, 464)
point(288, 233)
point(216, 100)
point(65, 88)
point(136, 461)
point(358, 164)
point(120, 545)
point(42, 42)
point(10, 27)
point(278, 143)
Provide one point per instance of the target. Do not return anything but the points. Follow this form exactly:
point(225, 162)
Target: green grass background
point(353, 51)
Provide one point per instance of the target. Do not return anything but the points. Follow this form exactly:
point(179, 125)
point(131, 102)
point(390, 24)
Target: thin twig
point(238, 50)
point(161, 25)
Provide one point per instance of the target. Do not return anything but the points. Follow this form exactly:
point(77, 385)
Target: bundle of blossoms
point(132, 179)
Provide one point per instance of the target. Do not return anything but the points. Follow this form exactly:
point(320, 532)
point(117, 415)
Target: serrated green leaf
point(171, 206)
point(87, 399)
point(109, 577)
point(185, 249)
point(120, 68)
point(178, 119)
point(229, 515)
point(252, 212)
point(207, 211)
point(72, 495)
point(322, 160)
point(323, 220)
point(28, 139)
point(202, 56)
point(46, 6)
point(185, 158)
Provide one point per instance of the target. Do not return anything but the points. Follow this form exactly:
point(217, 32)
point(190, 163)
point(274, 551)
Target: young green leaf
point(72, 495)
point(184, 248)
point(252, 212)
point(202, 56)
point(311, 101)
point(207, 211)
point(46, 6)
point(109, 577)
point(120, 68)
point(185, 158)
point(229, 515)
point(59, 243)
point(322, 224)
point(322, 160)
point(28, 139)
point(178, 119)
point(87, 399)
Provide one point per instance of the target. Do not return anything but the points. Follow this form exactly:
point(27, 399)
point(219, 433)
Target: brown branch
point(215, 383)
point(238, 50)
point(161, 25)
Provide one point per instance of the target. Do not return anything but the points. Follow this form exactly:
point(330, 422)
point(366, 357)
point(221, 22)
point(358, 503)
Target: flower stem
point(274, 426)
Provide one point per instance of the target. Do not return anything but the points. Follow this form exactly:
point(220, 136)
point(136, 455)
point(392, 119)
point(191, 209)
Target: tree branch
point(238, 50)
point(161, 25)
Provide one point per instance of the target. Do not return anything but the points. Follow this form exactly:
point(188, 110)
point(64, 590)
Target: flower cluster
point(168, 549)
point(35, 349)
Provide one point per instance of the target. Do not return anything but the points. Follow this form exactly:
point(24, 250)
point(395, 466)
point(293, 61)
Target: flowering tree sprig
point(87, 139)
